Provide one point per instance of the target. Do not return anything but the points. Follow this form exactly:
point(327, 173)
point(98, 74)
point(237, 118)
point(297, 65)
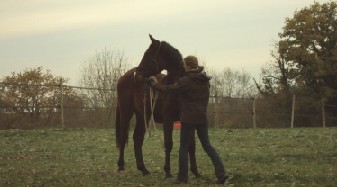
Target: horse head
point(159, 56)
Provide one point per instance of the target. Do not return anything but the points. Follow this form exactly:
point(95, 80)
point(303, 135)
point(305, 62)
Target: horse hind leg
point(138, 138)
point(193, 160)
point(123, 130)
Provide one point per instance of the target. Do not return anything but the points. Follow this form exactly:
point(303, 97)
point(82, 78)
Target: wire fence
point(83, 107)
point(299, 111)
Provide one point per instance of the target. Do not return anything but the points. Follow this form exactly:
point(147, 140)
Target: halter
point(154, 57)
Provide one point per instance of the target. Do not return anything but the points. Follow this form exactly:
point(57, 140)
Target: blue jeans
point(186, 133)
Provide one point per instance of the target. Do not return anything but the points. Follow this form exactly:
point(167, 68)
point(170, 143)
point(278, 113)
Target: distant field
point(88, 157)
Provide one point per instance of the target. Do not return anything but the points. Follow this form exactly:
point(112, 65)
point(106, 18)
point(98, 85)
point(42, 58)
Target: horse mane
point(173, 55)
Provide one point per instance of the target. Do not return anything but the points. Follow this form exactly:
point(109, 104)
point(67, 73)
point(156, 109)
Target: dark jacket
point(193, 89)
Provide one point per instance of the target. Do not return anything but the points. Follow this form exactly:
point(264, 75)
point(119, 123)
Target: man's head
point(191, 63)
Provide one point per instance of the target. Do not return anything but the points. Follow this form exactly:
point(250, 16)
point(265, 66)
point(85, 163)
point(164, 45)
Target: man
point(193, 89)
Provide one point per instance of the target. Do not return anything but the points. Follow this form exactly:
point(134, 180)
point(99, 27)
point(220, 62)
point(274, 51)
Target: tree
point(101, 73)
point(33, 92)
point(232, 92)
point(276, 76)
point(309, 43)
point(304, 61)
point(231, 84)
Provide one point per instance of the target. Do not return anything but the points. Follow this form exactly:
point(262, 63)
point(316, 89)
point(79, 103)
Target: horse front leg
point(138, 138)
point(121, 161)
point(193, 160)
point(168, 143)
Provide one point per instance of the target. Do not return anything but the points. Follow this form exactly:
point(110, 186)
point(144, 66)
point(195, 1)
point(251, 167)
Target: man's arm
point(172, 88)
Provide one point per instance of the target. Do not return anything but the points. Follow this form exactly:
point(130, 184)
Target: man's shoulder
point(185, 78)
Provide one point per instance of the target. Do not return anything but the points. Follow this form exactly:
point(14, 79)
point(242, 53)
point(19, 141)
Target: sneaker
point(222, 180)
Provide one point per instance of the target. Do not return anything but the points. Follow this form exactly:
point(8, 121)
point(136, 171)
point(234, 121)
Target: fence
point(75, 106)
point(62, 106)
point(301, 111)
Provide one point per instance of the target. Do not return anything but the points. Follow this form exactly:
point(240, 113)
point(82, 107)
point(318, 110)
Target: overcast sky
point(61, 35)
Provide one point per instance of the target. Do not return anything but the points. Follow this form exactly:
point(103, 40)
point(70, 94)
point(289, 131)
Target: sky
point(62, 35)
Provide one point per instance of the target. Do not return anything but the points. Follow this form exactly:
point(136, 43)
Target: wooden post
point(254, 113)
point(62, 115)
point(293, 112)
point(323, 112)
point(216, 110)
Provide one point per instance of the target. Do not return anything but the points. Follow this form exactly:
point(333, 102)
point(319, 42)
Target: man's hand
point(151, 81)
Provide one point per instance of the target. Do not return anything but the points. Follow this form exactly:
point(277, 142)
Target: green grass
point(88, 157)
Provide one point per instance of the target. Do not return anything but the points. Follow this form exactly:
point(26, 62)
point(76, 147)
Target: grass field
point(88, 157)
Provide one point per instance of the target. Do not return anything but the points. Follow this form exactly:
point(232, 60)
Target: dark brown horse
point(131, 91)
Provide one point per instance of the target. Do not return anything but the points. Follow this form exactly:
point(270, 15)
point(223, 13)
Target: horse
point(131, 94)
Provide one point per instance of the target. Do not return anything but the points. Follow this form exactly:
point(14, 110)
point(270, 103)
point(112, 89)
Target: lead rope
point(152, 105)
point(145, 122)
point(153, 99)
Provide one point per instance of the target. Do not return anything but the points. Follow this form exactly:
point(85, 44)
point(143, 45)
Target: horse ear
point(151, 37)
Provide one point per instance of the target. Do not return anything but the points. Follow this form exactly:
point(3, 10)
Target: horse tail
point(117, 126)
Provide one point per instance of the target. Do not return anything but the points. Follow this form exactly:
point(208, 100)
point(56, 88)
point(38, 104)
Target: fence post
point(62, 117)
point(323, 112)
point(293, 111)
point(254, 113)
point(216, 110)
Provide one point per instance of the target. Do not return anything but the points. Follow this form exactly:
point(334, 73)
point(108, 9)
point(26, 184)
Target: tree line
point(303, 62)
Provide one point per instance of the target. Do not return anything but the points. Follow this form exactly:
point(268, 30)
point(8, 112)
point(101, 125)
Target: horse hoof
point(168, 175)
point(196, 174)
point(120, 169)
point(146, 172)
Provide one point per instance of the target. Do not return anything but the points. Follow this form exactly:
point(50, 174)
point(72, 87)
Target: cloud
point(55, 33)
point(46, 17)
point(36, 16)
point(39, 16)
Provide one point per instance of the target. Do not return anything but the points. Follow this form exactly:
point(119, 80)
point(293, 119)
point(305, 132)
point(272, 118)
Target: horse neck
point(176, 74)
